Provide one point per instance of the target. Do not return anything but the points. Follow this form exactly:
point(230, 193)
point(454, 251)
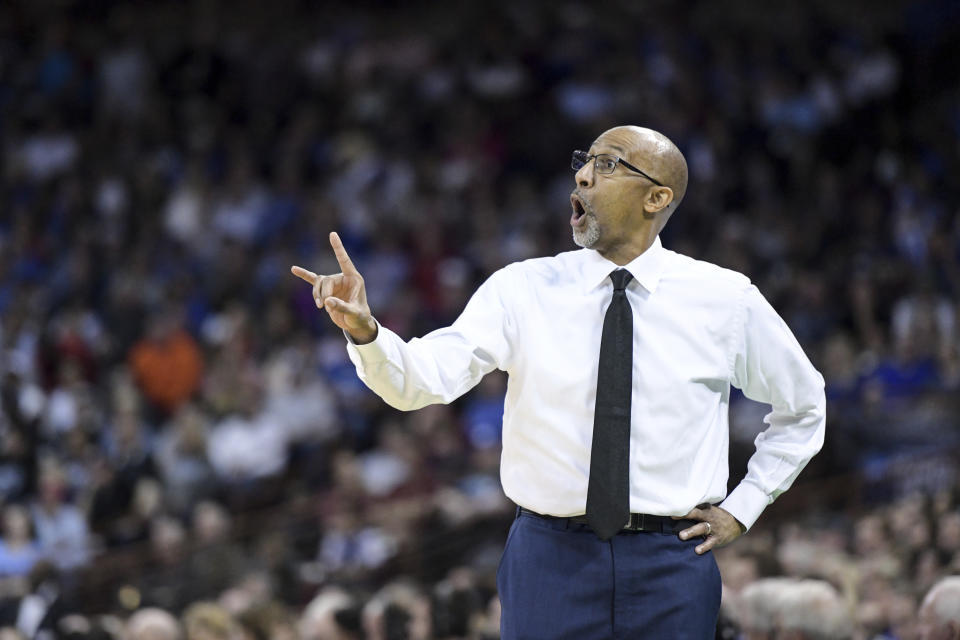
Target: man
point(153, 624)
point(940, 611)
point(620, 359)
point(813, 610)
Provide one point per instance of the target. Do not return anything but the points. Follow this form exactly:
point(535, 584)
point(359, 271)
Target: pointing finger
point(346, 265)
point(303, 274)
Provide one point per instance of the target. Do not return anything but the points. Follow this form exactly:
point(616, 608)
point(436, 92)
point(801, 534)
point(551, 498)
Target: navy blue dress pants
point(558, 580)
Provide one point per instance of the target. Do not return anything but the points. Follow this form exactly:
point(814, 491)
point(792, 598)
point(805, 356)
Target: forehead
point(619, 142)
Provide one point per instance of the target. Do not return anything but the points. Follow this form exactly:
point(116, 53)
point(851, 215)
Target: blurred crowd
point(181, 432)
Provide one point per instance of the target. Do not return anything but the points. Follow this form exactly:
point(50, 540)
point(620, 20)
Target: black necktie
point(608, 494)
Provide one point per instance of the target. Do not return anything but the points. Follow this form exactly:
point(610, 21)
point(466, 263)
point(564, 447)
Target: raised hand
point(342, 295)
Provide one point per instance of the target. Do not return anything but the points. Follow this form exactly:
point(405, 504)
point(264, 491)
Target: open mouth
point(578, 207)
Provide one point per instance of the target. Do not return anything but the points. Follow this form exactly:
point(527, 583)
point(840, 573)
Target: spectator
point(940, 611)
point(813, 610)
point(331, 615)
point(62, 530)
point(167, 363)
point(18, 550)
point(152, 624)
point(208, 621)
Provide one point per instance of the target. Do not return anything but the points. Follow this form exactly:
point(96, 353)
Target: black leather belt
point(638, 522)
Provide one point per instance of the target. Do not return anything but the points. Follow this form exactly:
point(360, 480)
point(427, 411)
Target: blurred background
point(181, 429)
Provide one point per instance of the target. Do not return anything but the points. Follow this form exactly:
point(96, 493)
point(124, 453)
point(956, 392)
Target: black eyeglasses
point(605, 163)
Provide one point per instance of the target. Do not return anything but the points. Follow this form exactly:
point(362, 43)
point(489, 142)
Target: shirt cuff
point(374, 351)
point(745, 503)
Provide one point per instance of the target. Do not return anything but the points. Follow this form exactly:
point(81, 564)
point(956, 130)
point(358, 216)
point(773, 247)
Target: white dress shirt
point(698, 329)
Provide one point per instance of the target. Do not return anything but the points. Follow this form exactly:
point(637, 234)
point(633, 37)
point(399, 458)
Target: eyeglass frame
point(584, 158)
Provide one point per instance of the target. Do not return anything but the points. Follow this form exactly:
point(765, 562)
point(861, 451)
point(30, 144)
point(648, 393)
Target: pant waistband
point(638, 522)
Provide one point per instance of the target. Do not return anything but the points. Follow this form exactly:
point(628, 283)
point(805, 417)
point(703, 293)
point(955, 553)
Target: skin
point(932, 628)
point(626, 212)
point(627, 209)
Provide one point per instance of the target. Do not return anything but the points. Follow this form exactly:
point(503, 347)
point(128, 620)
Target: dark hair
point(396, 623)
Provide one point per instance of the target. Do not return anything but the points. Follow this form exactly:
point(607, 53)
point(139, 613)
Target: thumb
point(336, 304)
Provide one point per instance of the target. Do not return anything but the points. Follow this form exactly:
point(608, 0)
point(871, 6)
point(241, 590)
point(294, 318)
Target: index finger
point(303, 274)
point(346, 265)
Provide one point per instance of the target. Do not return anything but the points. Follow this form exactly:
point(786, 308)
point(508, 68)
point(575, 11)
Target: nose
point(584, 175)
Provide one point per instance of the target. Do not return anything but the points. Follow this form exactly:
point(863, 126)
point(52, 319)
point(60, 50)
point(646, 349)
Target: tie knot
point(621, 278)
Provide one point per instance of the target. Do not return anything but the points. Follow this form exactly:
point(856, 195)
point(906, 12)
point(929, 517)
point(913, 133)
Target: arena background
point(178, 422)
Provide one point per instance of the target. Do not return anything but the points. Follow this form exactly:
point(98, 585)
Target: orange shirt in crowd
point(168, 370)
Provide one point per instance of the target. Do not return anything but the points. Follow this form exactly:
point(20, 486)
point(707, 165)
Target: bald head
point(656, 155)
point(941, 607)
point(152, 624)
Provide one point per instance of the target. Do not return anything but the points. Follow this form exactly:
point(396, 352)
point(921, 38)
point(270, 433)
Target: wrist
point(367, 334)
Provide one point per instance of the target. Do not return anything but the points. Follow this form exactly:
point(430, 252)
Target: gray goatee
point(587, 237)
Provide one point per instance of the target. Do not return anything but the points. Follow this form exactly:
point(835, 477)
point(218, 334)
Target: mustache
point(587, 207)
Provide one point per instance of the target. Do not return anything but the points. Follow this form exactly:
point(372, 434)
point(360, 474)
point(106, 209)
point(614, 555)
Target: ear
point(657, 199)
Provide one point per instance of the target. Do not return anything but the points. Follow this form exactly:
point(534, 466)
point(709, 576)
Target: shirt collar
point(645, 268)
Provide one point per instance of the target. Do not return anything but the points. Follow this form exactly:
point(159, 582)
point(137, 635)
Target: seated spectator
point(813, 610)
point(61, 527)
point(270, 620)
point(217, 561)
point(250, 444)
point(760, 608)
point(331, 615)
point(181, 458)
point(152, 624)
point(18, 550)
point(208, 621)
point(167, 362)
point(940, 611)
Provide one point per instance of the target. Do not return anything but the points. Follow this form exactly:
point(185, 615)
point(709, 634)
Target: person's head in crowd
point(251, 590)
point(52, 486)
point(948, 533)
point(901, 608)
point(11, 633)
point(168, 540)
point(399, 610)
point(152, 624)
point(78, 627)
point(940, 612)
point(269, 620)
point(16, 526)
point(455, 610)
point(760, 607)
point(870, 535)
point(208, 621)
point(628, 184)
point(333, 614)
point(813, 610)
point(211, 523)
point(147, 500)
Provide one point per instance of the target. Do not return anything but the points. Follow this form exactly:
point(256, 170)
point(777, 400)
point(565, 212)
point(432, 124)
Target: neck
point(627, 249)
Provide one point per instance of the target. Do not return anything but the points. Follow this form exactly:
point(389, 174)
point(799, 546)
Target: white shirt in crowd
point(698, 329)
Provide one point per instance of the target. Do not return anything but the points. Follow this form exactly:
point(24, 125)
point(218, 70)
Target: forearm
point(436, 369)
point(783, 450)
